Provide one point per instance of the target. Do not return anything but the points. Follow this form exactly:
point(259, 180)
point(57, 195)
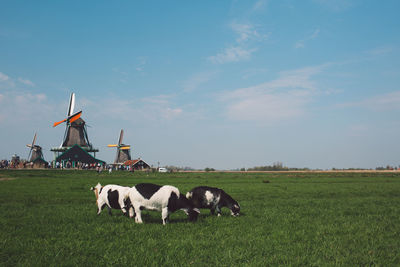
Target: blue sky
point(222, 84)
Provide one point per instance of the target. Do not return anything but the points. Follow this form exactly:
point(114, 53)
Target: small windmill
point(35, 150)
point(123, 151)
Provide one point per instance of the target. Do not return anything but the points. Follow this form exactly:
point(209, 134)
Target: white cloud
point(142, 63)
point(314, 34)
point(232, 54)
point(144, 110)
point(311, 36)
point(246, 32)
point(3, 77)
point(380, 51)
point(20, 106)
point(268, 107)
point(26, 82)
point(197, 80)
point(160, 99)
point(384, 102)
point(283, 98)
point(29, 99)
point(299, 44)
point(259, 5)
point(170, 113)
point(253, 72)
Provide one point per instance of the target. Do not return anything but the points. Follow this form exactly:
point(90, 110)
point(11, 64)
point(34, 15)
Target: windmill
point(123, 151)
point(75, 130)
point(75, 138)
point(35, 150)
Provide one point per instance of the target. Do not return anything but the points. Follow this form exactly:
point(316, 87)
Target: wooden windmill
point(75, 139)
point(35, 150)
point(75, 130)
point(123, 151)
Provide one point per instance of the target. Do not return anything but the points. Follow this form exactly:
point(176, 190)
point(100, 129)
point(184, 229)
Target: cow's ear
point(236, 206)
point(92, 188)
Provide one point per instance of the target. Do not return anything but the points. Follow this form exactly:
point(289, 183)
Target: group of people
point(4, 164)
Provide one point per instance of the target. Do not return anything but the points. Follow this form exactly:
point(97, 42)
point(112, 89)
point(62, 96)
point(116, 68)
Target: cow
point(166, 199)
point(214, 199)
point(113, 196)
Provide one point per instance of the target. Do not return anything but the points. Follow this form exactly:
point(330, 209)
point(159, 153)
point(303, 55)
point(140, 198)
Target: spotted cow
point(214, 199)
point(113, 196)
point(166, 199)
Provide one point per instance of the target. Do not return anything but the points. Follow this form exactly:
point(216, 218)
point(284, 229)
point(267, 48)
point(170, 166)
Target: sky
point(217, 84)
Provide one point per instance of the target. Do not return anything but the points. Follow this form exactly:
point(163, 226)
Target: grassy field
point(48, 218)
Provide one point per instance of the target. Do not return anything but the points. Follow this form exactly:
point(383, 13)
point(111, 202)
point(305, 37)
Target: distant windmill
point(123, 151)
point(35, 150)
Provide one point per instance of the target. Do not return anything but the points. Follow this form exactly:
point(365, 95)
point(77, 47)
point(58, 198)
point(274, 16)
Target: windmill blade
point(125, 147)
point(112, 145)
point(71, 104)
point(59, 122)
point(121, 136)
point(29, 155)
point(74, 117)
point(34, 140)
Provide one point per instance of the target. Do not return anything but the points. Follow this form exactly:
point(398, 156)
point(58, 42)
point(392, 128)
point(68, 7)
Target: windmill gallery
point(76, 150)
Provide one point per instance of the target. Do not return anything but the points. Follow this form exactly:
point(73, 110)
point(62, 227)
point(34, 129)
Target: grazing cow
point(166, 199)
point(214, 199)
point(113, 196)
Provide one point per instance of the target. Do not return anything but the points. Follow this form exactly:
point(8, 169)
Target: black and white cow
point(213, 198)
point(166, 199)
point(113, 196)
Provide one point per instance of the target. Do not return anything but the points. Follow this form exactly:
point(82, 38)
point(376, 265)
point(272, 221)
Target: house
point(137, 164)
point(76, 154)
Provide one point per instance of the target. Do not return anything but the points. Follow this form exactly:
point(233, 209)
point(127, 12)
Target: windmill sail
point(69, 119)
point(71, 105)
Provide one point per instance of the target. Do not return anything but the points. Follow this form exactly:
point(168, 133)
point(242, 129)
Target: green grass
point(48, 218)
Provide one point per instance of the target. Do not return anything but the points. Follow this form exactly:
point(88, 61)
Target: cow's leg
point(164, 215)
point(121, 203)
point(100, 206)
point(109, 210)
point(131, 212)
point(212, 210)
point(138, 216)
point(218, 209)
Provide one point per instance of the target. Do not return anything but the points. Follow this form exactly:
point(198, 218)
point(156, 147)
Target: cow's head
point(193, 214)
point(189, 209)
point(235, 209)
point(96, 190)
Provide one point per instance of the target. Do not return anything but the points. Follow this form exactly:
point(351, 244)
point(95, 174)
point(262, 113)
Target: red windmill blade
point(70, 117)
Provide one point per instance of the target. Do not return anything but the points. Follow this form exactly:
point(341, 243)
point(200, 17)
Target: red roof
point(131, 162)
